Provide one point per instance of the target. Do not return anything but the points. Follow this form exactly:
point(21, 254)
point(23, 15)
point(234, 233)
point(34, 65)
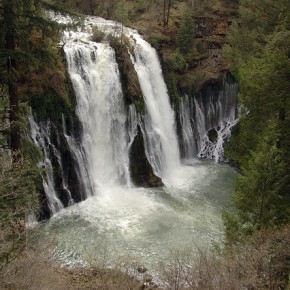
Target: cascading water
point(95, 77)
point(206, 121)
point(64, 179)
point(158, 125)
point(132, 124)
point(187, 132)
point(79, 155)
point(41, 136)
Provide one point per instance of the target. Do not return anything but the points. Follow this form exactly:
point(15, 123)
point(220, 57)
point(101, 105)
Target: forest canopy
point(258, 51)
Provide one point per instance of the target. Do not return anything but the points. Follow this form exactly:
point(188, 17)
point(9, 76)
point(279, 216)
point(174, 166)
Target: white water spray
point(206, 114)
point(41, 136)
point(132, 124)
point(95, 77)
point(158, 123)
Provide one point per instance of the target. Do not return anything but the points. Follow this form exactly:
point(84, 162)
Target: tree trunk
point(92, 7)
point(164, 12)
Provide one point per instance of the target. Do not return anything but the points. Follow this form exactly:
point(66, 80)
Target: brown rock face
point(129, 78)
point(208, 27)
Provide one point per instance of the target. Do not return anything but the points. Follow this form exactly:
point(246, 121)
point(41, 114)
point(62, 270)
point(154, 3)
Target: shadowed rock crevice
point(141, 170)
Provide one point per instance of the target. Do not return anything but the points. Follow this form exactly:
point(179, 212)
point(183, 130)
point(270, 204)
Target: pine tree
point(261, 197)
point(186, 33)
point(28, 54)
point(259, 49)
point(121, 15)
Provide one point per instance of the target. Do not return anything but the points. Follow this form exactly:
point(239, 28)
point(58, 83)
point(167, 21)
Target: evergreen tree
point(167, 5)
point(259, 49)
point(262, 194)
point(29, 57)
point(30, 64)
point(186, 33)
point(121, 15)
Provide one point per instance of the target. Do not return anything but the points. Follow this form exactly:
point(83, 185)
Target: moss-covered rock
point(141, 170)
point(129, 79)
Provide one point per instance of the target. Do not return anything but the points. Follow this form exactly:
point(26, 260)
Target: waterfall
point(158, 123)
point(94, 74)
point(41, 136)
point(219, 116)
point(187, 132)
point(206, 121)
point(79, 155)
point(100, 148)
point(132, 124)
point(65, 185)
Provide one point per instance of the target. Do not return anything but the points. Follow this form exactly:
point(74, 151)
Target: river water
point(145, 223)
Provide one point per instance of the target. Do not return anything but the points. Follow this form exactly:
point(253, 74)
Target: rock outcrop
point(141, 170)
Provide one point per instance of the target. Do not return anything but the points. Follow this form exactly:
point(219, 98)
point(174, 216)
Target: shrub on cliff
point(18, 198)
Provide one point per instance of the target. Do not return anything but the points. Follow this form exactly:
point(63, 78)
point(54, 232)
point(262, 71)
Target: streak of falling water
point(100, 108)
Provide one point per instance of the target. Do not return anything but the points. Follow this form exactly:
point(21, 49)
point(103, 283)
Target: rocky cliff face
point(206, 118)
point(62, 184)
point(210, 38)
point(130, 84)
point(140, 168)
point(206, 61)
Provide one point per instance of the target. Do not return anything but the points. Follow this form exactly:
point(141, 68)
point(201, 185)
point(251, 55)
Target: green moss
point(129, 79)
point(179, 84)
point(49, 106)
point(171, 80)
